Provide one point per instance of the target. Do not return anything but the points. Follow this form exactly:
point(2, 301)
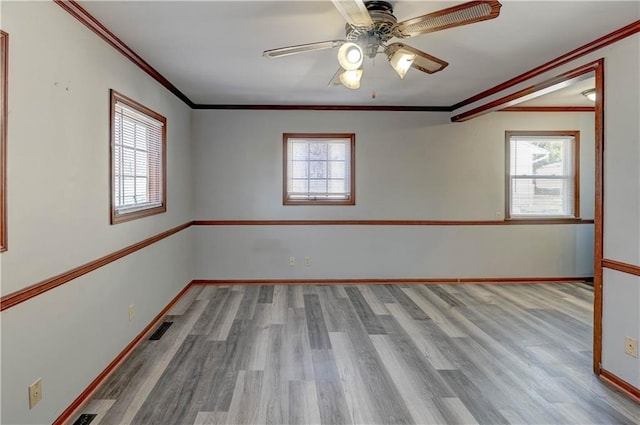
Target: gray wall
point(58, 211)
point(409, 166)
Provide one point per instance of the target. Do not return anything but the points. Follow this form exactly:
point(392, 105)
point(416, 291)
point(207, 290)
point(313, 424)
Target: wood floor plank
point(245, 403)
point(474, 400)
point(211, 418)
point(303, 403)
point(365, 313)
point(415, 393)
point(184, 302)
point(317, 328)
point(375, 304)
point(297, 347)
point(133, 391)
point(392, 354)
point(331, 401)
point(407, 304)
point(426, 343)
point(175, 391)
point(274, 397)
point(226, 317)
point(438, 317)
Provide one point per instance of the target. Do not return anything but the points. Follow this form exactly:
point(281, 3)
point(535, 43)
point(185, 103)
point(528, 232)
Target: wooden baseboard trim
point(93, 386)
point(621, 267)
point(387, 281)
point(513, 222)
point(29, 292)
point(621, 385)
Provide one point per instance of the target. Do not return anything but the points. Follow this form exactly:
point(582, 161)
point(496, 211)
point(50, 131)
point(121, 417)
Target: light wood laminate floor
point(368, 354)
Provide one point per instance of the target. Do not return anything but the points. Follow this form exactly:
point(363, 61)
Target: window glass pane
point(128, 133)
point(337, 169)
point(141, 136)
point(141, 190)
point(141, 164)
point(299, 151)
point(337, 186)
point(128, 162)
point(299, 186)
point(540, 197)
point(128, 190)
point(317, 169)
point(299, 169)
point(338, 151)
point(318, 186)
point(318, 150)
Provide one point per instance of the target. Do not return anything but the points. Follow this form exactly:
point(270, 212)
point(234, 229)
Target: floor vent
point(85, 419)
point(160, 331)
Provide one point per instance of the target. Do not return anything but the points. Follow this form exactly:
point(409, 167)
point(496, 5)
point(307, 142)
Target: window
point(4, 47)
point(542, 174)
point(138, 160)
point(319, 169)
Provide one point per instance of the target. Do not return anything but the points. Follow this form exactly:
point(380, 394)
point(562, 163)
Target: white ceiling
point(212, 50)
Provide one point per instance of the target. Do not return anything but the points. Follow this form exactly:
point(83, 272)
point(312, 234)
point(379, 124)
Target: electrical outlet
point(35, 393)
point(498, 215)
point(292, 261)
point(307, 261)
point(132, 311)
point(631, 346)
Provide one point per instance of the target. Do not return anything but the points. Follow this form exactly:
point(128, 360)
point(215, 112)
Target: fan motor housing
point(371, 38)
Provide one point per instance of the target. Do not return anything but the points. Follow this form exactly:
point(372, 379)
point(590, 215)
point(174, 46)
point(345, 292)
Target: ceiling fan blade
point(302, 48)
point(354, 12)
point(421, 60)
point(463, 14)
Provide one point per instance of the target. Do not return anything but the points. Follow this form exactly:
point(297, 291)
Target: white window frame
point(348, 197)
point(572, 177)
point(124, 108)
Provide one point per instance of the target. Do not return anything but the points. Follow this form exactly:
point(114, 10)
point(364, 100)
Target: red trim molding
point(103, 32)
point(601, 42)
point(387, 281)
point(530, 92)
point(391, 222)
point(623, 386)
point(86, 394)
point(549, 109)
point(621, 267)
point(29, 292)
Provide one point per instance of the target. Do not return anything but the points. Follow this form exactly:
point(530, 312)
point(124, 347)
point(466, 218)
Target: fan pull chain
point(373, 92)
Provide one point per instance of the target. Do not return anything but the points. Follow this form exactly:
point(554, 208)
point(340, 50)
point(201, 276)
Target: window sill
point(121, 218)
point(547, 220)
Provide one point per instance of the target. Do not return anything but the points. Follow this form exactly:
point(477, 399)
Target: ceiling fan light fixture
point(401, 62)
point(351, 79)
point(350, 56)
point(590, 94)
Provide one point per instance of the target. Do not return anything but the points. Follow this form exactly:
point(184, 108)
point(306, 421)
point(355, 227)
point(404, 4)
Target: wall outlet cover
point(35, 393)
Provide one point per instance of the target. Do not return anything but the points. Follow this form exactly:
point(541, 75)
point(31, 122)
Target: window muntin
point(138, 160)
point(542, 174)
point(319, 169)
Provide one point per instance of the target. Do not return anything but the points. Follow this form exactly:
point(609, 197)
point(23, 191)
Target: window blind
point(137, 160)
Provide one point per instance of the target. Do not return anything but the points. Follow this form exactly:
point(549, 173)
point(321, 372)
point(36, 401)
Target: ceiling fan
point(371, 24)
